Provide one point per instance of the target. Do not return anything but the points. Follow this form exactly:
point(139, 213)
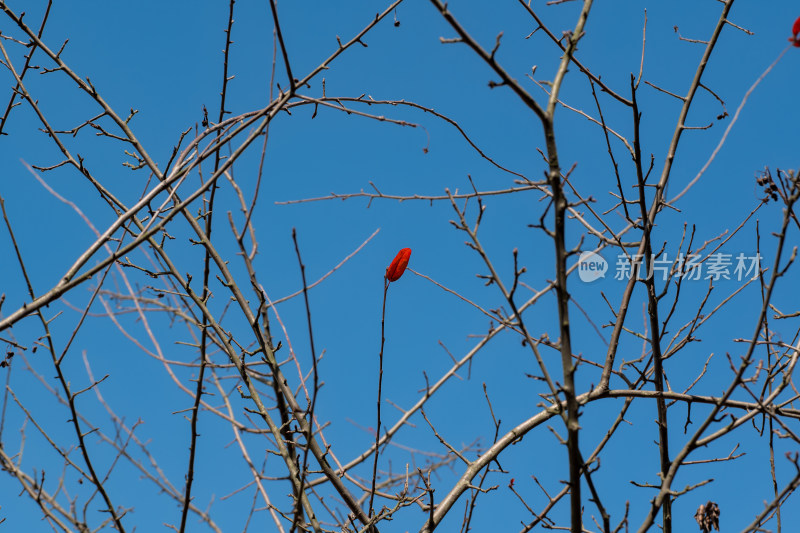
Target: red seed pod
point(398, 265)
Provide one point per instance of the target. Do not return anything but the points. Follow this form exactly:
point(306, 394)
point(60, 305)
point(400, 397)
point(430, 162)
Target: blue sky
point(164, 60)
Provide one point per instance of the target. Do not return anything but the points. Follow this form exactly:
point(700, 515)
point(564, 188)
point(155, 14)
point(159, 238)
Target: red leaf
point(398, 265)
point(796, 27)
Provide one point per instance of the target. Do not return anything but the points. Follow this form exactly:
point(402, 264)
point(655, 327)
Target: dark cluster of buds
point(707, 516)
point(764, 179)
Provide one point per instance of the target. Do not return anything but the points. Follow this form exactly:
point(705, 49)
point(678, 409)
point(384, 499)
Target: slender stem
point(380, 388)
point(25, 69)
point(206, 276)
point(652, 312)
point(560, 206)
point(298, 514)
point(274, 9)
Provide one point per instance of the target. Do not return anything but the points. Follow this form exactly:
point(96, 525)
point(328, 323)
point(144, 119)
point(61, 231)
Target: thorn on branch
point(489, 279)
point(60, 49)
point(688, 40)
point(496, 44)
point(89, 82)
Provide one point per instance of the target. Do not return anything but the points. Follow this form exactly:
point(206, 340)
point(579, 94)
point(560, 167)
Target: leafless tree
point(176, 270)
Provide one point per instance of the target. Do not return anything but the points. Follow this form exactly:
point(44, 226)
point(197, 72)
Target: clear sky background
point(164, 60)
